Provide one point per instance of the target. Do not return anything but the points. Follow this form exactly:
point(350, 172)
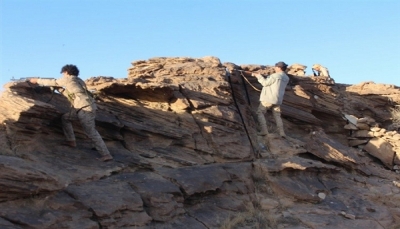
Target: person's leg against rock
point(261, 120)
point(68, 129)
point(87, 119)
point(276, 111)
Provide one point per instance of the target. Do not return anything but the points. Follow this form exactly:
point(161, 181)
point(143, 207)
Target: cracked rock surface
point(183, 133)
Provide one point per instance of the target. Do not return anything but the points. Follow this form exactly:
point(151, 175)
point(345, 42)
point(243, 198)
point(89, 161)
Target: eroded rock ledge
point(183, 134)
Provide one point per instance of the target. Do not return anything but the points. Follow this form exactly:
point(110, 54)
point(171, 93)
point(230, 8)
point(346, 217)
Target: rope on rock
point(244, 77)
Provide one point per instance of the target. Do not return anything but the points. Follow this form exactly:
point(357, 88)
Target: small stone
point(378, 134)
point(350, 216)
point(357, 142)
point(363, 126)
point(322, 195)
point(268, 204)
point(376, 129)
point(351, 118)
point(350, 126)
point(396, 137)
point(362, 120)
point(368, 120)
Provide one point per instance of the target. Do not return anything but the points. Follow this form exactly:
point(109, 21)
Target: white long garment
point(273, 87)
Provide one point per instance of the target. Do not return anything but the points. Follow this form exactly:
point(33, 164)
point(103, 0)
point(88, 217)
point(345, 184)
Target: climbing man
point(83, 108)
point(272, 96)
point(321, 70)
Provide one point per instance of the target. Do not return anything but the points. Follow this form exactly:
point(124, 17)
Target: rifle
point(23, 79)
point(26, 79)
point(37, 88)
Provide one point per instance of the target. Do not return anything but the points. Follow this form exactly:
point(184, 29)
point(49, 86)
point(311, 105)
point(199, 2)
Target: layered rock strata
point(184, 137)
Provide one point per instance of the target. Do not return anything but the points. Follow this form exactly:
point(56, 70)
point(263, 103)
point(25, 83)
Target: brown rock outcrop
point(186, 154)
point(366, 134)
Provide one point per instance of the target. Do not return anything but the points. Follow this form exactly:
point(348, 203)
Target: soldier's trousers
point(276, 112)
point(86, 117)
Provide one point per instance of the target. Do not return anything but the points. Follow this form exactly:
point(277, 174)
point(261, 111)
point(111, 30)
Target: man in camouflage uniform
point(272, 97)
point(83, 108)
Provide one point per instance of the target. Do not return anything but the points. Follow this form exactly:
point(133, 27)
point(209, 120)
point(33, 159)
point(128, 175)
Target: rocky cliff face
point(183, 134)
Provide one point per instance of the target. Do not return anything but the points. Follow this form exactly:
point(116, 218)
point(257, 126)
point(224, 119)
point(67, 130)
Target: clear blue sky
point(358, 40)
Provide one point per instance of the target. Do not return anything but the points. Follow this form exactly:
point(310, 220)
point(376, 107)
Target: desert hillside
point(183, 133)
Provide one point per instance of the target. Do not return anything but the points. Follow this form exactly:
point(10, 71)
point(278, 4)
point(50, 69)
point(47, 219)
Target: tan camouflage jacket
point(75, 90)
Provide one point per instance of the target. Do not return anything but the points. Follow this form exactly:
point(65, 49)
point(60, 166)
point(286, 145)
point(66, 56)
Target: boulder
point(382, 150)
